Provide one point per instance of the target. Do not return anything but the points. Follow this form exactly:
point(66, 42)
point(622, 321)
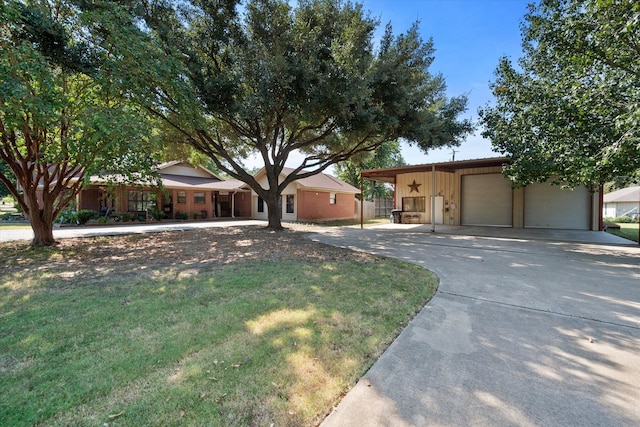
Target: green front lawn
point(170, 329)
point(628, 231)
point(13, 226)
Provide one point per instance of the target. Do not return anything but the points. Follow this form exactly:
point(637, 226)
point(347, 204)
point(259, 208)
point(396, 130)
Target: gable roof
point(320, 181)
point(181, 166)
point(389, 174)
point(629, 194)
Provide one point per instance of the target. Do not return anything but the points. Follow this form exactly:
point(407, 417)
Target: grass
point(13, 226)
point(627, 230)
point(253, 342)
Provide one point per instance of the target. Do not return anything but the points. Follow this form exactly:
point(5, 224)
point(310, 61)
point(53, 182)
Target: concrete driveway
point(528, 328)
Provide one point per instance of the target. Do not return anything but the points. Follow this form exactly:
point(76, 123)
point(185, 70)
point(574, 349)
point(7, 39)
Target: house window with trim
point(290, 203)
point(413, 204)
point(138, 200)
point(182, 197)
point(198, 198)
point(332, 198)
point(260, 204)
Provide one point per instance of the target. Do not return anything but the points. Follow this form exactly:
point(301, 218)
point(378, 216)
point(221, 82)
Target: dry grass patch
point(237, 326)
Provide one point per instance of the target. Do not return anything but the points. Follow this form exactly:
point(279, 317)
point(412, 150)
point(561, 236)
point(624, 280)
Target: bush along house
point(188, 192)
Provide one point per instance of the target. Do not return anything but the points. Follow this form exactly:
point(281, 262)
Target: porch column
point(433, 198)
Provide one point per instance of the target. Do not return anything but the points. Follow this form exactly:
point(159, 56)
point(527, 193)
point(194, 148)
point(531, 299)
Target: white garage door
point(486, 200)
point(549, 206)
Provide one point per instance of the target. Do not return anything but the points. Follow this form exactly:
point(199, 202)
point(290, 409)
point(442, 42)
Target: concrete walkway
point(528, 328)
point(120, 229)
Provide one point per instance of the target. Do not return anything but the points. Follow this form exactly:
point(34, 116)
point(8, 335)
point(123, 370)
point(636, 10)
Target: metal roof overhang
point(389, 175)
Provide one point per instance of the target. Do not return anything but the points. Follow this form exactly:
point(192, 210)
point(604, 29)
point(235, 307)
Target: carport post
point(362, 201)
point(433, 198)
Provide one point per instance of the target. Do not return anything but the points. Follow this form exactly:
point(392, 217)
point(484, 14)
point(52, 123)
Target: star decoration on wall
point(414, 187)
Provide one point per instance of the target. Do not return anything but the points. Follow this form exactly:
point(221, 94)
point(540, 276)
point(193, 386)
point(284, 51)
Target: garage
point(486, 200)
point(550, 206)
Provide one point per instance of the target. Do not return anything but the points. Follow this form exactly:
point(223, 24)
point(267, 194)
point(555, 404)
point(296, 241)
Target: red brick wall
point(190, 206)
point(314, 205)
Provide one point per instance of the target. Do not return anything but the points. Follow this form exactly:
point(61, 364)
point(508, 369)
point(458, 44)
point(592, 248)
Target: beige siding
point(185, 170)
point(448, 186)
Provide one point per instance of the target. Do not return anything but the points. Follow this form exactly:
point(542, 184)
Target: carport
point(476, 193)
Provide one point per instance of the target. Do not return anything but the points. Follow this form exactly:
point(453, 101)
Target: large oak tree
point(570, 109)
point(64, 111)
point(273, 79)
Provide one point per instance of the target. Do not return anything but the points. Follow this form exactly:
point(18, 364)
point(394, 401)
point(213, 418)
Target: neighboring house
point(475, 192)
point(188, 191)
point(319, 197)
point(624, 202)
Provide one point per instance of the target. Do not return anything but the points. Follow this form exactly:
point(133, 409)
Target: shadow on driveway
point(524, 330)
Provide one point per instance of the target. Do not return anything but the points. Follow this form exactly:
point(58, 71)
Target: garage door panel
point(486, 200)
point(550, 206)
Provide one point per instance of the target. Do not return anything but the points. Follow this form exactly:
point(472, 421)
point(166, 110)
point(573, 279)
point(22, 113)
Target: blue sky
point(469, 36)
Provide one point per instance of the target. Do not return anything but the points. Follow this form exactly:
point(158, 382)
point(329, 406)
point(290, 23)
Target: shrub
point(125, 216)
point(67, 216)
point(84, 215)
point(623, 219)
point(182, 215)
point(156, 213)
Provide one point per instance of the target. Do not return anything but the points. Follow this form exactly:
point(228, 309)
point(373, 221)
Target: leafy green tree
point(5, 171)
point(570, 110)
point(64, 111)
point(387, 155)
point(279, 79)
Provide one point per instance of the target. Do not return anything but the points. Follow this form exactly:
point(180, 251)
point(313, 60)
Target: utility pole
point(453, 155)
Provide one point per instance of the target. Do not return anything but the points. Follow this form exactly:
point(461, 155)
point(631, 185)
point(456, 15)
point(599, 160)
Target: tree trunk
point(274, 212)
point(42, 230)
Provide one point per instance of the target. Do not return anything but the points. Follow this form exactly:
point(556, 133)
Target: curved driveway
point(525, 330)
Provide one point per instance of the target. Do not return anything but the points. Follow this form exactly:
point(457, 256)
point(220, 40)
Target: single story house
point(194, 192)
point(320, 197)
point(624, 202)
point(188, 193)
point(475, 192)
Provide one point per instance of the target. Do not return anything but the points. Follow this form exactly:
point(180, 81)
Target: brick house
point(187, 192)
point(320, 197)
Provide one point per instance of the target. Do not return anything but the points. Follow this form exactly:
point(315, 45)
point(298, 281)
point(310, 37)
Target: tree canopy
point(273, 79)
point(570, 108)
point(387, 155)
point(65, 113)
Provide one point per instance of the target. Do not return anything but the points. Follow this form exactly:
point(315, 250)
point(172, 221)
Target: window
point(139, 200)
point(182, 197)
point(332, 198)
point(198, 198)
point(413, 204)
point(290, 202)
point(260, 204)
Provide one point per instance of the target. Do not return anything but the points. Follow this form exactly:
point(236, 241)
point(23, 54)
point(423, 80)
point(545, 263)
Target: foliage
point(280, 79)
point(5, 171)
point(156, 213)
point(623, 219)
point(84, 215)
point(571, 108)
point(182, 215)
point(386, 155)
point(66, 111)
